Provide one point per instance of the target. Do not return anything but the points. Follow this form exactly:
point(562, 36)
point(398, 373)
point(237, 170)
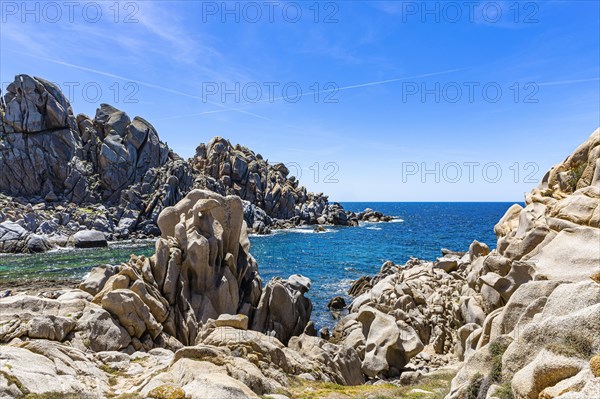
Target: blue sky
point(389, 89)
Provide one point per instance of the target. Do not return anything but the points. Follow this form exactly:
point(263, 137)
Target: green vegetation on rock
point(573, 345)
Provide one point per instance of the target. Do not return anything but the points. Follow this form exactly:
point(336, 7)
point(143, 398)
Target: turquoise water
point(332, 259)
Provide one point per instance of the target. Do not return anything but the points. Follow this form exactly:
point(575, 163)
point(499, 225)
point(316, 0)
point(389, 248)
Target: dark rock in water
point(89, 239)
point(319, 229)
point(337, 303)
point(369, 215)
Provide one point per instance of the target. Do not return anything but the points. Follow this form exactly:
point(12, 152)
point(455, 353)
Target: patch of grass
point(129, 396)
point(112, 381)
point(108, 369)
point(575, 174)
point(573, 345)
point(504, 391)
point(438, 385)
point(497, 350)
point(167, 392)
point(474, 386)
point(13, 380)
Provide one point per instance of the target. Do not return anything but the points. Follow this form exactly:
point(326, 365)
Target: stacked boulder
point(405, 310)
point(112, 174)
point(524, 317)
point(201, 269)
point(237, 170)
point(48, 156)
point(196, 308)
point(541, 291)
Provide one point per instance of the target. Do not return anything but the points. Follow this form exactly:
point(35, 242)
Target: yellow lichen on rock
point(595, 365)
point(167, 392)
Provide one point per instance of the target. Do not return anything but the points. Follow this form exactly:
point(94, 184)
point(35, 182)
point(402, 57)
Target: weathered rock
point(40, 367)
point(100, 331)
point(200, 380)
point(54, 328)
point(387, 347)
point(271, 193)
point(49, 155)
point(132, 313)
point(337, 303)
point(15, 239)
point(97, 278)
point(546, 370)
point(549, 261)
point(477, 249)
point(89, 239)
point(343, 360)
point(283, 308)
point(235, 321)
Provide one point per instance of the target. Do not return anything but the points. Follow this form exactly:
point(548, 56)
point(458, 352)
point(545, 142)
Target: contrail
point(141, 83)
point(312, 93)
point(380, 82)
point(568, 82)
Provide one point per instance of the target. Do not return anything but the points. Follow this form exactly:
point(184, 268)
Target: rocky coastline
point(111, 175)
point(194, 320)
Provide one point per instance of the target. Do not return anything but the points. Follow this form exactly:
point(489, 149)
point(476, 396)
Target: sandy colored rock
point(595, 365)
point(546, 370)
point(238, 321)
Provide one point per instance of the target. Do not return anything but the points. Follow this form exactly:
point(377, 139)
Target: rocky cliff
point(524, 318)
point(271, 195)
point(61, 173)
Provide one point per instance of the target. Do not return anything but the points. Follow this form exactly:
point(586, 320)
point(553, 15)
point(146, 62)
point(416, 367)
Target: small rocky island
point(111, 176)
point(194, 320)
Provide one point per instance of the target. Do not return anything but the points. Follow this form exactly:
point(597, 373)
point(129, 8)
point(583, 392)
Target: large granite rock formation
point(47, 152)
point(61, 173)
point(188, 307)
point(239, 171)
point(202, 269)
point(272, 197)
point(524, 317)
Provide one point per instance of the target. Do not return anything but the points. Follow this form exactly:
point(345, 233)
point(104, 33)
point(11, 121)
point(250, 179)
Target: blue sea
point(332, 260)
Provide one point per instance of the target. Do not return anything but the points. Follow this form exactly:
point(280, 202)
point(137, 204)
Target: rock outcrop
point(61, 173)
point(115, 166)
point(236, 170)
point(193, 319)
point(523, 317)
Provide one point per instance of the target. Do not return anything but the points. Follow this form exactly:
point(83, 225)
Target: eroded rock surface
point(196, 308)
point(523, 317)
point(62, 173)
